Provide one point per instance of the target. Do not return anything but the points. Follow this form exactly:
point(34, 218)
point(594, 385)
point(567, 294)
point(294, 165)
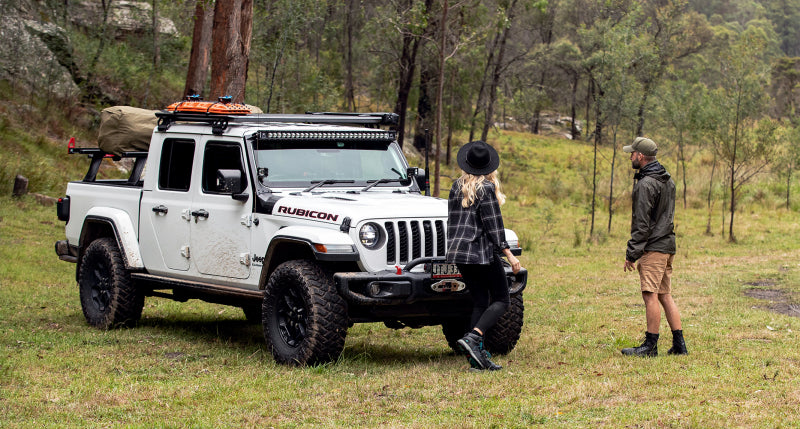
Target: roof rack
point(220, 122)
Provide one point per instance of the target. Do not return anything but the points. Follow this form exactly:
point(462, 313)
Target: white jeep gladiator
point(309, 223)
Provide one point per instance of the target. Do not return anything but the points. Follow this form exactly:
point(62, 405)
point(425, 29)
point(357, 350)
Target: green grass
point(201, 365)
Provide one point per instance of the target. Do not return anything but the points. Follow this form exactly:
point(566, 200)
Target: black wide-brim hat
point(478, 158)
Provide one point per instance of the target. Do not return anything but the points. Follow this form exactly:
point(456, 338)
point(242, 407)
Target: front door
point(220, 225)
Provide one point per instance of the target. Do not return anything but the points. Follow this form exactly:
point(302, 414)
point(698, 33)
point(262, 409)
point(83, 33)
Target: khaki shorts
point(655, 272)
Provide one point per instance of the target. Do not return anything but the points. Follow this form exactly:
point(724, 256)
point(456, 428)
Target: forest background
point(558, 87)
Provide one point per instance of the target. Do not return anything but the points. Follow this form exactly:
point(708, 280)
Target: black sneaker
point(472, 345)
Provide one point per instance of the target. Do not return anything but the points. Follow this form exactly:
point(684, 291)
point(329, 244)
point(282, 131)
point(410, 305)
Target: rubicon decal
point(308, 213)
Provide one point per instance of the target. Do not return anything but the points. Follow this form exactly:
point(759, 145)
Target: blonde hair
point(472, 189)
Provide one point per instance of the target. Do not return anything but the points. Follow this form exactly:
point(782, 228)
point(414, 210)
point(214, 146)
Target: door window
point(221, 156)
point(175, 173)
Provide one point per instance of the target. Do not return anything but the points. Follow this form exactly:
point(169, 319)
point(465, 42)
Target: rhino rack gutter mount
point(220, 122)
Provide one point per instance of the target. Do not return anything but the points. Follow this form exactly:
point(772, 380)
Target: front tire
point(501, 339)
point(304, 318)
point(505, 334)
point(109, 298)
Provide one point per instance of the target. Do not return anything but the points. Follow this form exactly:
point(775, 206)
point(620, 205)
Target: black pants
point(489, 289)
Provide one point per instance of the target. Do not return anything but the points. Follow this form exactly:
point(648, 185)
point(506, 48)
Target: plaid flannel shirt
point(476, 232)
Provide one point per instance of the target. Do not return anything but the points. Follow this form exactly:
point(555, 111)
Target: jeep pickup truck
point(310, 223)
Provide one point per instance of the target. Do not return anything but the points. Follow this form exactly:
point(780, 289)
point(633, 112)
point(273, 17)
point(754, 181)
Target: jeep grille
point(407, 240)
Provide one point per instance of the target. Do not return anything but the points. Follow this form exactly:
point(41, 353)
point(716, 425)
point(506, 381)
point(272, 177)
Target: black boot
point(472, 346)
point(678, 344)
point(475, 366)
point(649, 347)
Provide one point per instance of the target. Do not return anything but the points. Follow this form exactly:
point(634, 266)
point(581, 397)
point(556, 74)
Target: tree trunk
point(439, 98)
point(496, 74)
point(710, 188)
point(92, 92)
point(233, 26)
point(424, 106)
point(573, 109)
point(611, 184)
point(731, 236)
point(683, 167)
point(788, 188)
point(642, 104)
point(349, 87)
point(408, 64)
point(598, 132)
point(199, 58)
point(156, 49)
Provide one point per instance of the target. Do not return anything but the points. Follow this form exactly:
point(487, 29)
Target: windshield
point(295, 163)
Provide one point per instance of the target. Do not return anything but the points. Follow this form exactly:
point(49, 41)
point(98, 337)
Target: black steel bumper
point(406, 287)
point(66, 251)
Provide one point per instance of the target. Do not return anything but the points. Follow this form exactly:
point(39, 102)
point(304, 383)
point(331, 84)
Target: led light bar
point(371, 135)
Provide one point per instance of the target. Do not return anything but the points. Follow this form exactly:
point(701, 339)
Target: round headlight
point(370, 235)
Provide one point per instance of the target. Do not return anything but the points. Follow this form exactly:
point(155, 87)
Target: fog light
point(374, 289)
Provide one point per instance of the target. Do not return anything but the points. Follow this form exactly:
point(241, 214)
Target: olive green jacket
point(653, 212)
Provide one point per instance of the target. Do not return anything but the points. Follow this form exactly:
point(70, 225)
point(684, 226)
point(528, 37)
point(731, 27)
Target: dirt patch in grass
point(780, 301)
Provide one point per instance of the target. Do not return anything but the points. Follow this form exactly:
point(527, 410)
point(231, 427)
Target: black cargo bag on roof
point(126, 129)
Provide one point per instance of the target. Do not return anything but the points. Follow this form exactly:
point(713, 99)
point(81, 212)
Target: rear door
point(164, 213)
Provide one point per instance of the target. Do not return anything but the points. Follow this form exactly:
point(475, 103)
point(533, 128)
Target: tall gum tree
point(746, 142)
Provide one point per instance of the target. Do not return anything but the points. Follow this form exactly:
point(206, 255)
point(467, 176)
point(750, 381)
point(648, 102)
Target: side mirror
point(231, 182)
point(419, 176)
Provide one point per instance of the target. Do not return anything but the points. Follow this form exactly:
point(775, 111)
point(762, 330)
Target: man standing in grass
point(652, 244)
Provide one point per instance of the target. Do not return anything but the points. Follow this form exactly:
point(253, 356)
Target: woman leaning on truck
point(476, 239)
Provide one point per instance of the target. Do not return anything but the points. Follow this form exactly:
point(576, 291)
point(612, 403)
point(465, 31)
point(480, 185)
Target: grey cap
point(642, 145)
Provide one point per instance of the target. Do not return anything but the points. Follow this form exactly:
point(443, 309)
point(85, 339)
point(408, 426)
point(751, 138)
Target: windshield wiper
point(326, 182)
point(373, 183)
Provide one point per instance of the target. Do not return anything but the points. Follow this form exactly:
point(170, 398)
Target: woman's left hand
point(515, 265)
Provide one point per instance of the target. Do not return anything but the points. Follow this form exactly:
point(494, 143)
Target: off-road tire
point(109, 298)
point(504, 335)
point(304, 318)
point(501, 339)
point(454, 330)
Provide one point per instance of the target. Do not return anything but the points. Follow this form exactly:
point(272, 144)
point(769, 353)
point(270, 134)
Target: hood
point(333, 207)
point(655, 170)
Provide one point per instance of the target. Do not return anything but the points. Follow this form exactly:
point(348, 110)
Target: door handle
point(160, 209)
point(199, 213)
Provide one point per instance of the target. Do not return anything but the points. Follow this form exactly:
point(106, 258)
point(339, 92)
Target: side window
point(221, 156)
point(175, 172)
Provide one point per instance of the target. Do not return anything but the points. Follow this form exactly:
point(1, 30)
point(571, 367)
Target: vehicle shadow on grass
point(218, 332)
point(248, 337)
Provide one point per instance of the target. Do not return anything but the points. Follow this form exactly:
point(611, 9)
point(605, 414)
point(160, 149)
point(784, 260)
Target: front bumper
point(384, 288)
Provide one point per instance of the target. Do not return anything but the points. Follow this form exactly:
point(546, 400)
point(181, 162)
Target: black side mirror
point(419, 176)
point(231, 182)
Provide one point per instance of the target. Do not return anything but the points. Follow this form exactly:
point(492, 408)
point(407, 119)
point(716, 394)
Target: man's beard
point(635, 164)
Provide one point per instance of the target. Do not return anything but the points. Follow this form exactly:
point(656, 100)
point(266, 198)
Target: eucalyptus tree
point(200, 54)
point(746, 141)
point(606, 60)
point(788, 157)
point(674, 33)
point(230, 48)
point(679, 113)
point(289, 53)
point(497, 60)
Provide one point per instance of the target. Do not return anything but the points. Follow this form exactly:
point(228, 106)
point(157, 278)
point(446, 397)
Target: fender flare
point(307, 237)
point(124, 232)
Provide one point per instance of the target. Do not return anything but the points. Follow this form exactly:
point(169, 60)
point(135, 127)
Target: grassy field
point(201, 365)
